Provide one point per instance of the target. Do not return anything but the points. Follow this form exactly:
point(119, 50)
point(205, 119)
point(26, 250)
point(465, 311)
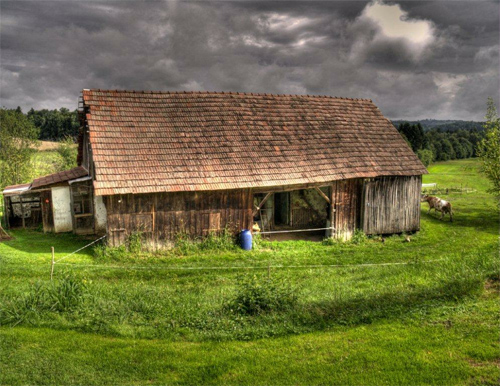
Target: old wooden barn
point(165, 163)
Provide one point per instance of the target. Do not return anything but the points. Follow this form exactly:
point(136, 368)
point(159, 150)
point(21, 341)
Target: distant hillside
point(444, 125)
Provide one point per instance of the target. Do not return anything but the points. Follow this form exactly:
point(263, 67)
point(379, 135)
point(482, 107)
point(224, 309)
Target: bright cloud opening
point(395, 23)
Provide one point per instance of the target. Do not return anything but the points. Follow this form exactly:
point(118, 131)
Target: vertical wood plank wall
point(161, 216)
point(391, 205)
point(346, 203)
point(383, 205)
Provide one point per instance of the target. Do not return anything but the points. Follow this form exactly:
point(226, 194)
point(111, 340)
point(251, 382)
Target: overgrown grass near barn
point(217, 314)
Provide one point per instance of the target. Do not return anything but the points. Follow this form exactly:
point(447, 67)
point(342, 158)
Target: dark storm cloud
point(445, 68)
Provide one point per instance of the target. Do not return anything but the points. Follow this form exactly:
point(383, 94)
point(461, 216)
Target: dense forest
point(55, 125)
point(444, 125)
point(451, 140)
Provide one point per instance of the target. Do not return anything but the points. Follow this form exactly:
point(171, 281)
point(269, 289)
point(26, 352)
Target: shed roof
point(59, 177)
point(144, 142)
point(13, 190)
point(44, 181)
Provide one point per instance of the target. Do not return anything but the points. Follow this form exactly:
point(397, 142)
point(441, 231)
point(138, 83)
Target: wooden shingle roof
point(144, 142)
point(59, 177)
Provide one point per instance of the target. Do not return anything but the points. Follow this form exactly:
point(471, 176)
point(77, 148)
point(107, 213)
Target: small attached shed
point(59, 202)
point(166, 163)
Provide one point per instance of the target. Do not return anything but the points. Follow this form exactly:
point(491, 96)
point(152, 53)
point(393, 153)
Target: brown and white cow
point(438, 205)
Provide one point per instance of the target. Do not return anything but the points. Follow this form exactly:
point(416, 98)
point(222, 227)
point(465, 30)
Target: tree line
point(55, 125)
point(438, 144)
point(52, 125)
point(19, 143)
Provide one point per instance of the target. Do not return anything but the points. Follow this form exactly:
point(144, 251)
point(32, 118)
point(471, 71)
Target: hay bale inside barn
point(198, 162)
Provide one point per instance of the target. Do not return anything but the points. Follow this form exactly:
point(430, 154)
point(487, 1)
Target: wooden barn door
point(345, 198)
point(391, 205)
point(47, 215)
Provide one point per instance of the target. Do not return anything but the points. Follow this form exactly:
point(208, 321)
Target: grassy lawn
point(112, 317)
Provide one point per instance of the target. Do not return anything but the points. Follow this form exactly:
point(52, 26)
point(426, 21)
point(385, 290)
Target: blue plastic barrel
point(246, 239)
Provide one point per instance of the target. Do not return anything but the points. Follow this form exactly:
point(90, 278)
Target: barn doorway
point(282, 209)
point(24, 210)
point(82, 208)
point(300, 214)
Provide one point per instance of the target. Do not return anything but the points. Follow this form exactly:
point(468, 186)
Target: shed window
point(82, 199)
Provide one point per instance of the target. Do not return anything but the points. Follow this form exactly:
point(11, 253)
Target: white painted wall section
point(100, 214)
point(61, 209)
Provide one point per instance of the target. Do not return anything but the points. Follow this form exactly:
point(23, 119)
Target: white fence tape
point(251, 267)
point(78, 250)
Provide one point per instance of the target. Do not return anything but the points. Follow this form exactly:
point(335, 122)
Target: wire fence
point(267, 267)
point(224, 268)
point(259, 267)
point(80, 249)
point(296, 231)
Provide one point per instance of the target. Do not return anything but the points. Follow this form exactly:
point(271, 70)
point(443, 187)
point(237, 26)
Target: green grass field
point(177, 317)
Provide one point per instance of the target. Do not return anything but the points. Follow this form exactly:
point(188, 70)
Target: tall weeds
point(60, 296)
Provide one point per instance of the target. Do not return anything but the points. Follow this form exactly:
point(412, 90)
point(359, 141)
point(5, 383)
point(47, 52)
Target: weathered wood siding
point(346, 202)
point(391, 205)
point(47, 215)
point(161, 216)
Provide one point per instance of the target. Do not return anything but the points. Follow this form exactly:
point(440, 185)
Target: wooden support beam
point(288, 188)
point(6, 211)
point(257, 208)
point(331, 214)
point(22, 211)
point(327, 199)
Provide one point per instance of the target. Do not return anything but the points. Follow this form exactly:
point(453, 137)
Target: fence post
point(52, 265)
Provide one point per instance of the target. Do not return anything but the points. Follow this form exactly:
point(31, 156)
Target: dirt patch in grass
point(48, 145)
point(474, 363)
point(492, 285)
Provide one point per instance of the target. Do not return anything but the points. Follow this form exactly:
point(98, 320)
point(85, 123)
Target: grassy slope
point(395, 326)
point(45, 162)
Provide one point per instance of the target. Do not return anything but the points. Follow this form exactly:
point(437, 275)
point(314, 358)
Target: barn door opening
point(292, 214)
point(282, 208)
point(82, 207)
point(24, 210)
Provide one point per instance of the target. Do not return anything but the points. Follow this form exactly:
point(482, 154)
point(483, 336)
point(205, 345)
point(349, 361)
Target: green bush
point(103, 252)
point(258, 295)
point(224, 241)
point(132, 248)
point(68, 152)
point(359, 237)
point(66, 294)
point(135, 243)
point(330, 241)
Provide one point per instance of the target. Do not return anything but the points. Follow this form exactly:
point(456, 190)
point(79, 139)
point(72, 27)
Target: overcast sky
point(414, 59)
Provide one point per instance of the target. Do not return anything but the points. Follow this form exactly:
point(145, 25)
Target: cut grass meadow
point(189, 316)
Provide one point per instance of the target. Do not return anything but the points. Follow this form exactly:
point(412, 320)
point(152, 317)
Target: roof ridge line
point(168, 92)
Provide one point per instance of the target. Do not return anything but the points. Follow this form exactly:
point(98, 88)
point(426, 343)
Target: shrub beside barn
point(163, 163)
